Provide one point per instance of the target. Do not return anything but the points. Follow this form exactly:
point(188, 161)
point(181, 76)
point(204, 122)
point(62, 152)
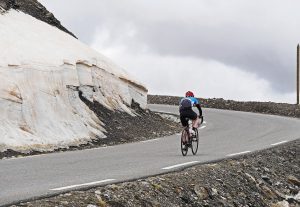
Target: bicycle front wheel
point(184, 147)
point(195, 142)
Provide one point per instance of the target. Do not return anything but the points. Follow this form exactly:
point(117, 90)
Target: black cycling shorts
point(188, 113)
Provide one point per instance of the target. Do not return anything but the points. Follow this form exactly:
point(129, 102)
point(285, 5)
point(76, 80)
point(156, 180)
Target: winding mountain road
point(224, 134)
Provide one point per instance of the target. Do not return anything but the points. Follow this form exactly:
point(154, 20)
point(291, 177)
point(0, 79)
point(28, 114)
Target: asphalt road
point(224, 134)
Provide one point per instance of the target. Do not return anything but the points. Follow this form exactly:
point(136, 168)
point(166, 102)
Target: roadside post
point(298, 76)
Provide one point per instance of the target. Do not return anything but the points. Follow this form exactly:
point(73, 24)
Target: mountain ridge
point(36, 10)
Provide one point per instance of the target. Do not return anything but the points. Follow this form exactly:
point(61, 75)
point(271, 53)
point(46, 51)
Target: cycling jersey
point(186, 111)
point(188, 102)
point(193, 100)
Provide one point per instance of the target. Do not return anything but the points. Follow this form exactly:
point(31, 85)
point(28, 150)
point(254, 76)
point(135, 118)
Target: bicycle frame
point(189, 141)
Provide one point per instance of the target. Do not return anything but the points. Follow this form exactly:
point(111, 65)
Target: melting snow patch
point(43, 71)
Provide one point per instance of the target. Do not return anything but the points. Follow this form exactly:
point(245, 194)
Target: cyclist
point(186, 111)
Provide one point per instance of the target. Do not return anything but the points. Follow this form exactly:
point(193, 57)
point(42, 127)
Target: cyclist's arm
point(199, 108)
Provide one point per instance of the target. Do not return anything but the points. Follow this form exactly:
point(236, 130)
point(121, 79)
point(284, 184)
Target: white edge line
point(80, 185)
point(150, 140)
point(179, 165)
point(239, 153)
point(278, 143)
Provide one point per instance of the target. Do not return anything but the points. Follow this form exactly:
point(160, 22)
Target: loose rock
point(292, 179)
point(201, 192)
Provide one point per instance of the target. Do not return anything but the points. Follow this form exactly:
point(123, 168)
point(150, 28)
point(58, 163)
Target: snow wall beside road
point(42, 72)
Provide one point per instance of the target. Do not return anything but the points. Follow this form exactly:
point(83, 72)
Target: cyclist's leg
point(194, 117)
point(183, 120)
point(196, 123)
point(184, 123)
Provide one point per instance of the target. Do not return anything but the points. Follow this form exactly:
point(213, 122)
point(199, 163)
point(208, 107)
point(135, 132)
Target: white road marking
point(178, 134)
point(150, 140)
point(84, 184)
point(279, 143)
point(202, 127)
point(239, 153)
point(179, 165)
point(204, 122)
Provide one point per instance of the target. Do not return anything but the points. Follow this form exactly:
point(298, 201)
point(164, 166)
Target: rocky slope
point(281, 109)
point(265, 178)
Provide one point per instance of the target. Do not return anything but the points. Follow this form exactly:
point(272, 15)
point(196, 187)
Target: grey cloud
point(86, 29)
point(250, 35)
point(267, 60)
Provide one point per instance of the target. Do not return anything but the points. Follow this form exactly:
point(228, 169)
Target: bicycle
point(192, 140)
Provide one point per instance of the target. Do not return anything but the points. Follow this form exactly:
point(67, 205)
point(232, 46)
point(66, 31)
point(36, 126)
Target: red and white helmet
point(189, 94)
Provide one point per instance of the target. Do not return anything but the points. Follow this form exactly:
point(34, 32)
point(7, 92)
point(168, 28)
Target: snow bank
point(42, 70)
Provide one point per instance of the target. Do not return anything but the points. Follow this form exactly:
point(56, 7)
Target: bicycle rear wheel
point(184, 147)
point(195, 142)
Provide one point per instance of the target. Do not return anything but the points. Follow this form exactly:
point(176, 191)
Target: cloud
point(170, 75)
point(255, 37)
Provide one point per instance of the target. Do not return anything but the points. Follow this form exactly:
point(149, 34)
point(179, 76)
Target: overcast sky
point(233, 49)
